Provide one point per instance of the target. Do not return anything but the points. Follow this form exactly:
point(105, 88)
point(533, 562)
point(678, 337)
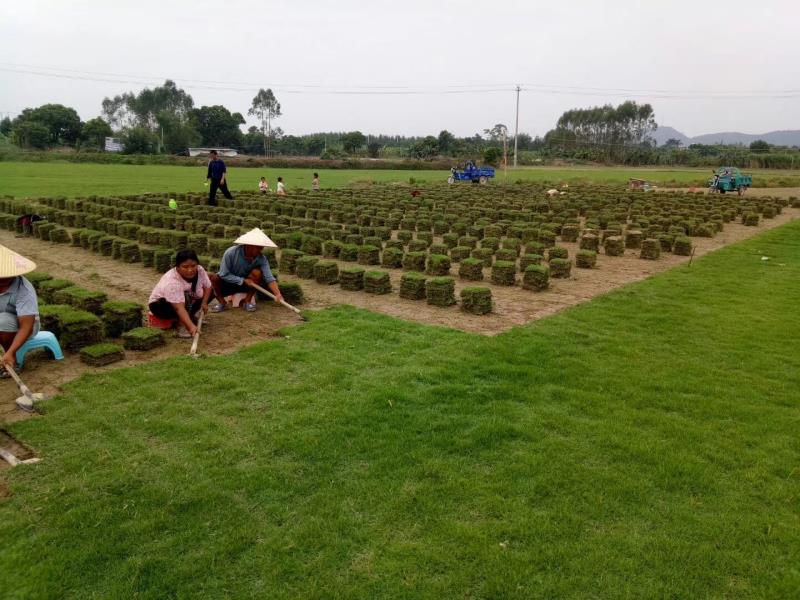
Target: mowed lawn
point(642, 445)
point(22, 179)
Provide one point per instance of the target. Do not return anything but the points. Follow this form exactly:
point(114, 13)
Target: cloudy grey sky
point(414, 66)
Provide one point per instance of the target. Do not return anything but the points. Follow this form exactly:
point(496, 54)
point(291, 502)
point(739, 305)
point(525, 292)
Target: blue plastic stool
point(43, 339)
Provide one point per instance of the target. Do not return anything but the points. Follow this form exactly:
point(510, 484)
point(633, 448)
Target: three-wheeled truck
point(729, 179)
point(471, 173)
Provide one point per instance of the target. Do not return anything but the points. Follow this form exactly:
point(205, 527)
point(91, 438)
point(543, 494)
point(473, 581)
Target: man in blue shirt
point(216, 174)
point(242, 267)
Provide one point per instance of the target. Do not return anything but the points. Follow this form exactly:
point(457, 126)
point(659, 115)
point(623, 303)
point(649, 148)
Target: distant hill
point(779, 138)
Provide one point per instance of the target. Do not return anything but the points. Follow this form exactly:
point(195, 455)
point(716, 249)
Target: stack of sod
point(331, 249)
point(536, 277)
point(373, 240)
point(506, 254)
point(750, 219)
point(50, 317)
point(547, 237)
point(471, 269)
point(304, 267)
point(485, 255)
point(292, 292)
point(120, 317)
point(504, 272)
point(352, 278)
point(105, 245)
point(162, 260)
point(468, 241)
point(405, 236)
point(412, 286)
point(147, 256)
point(116, 248)
point(98, 355)
point(81, 298)
point(705, 230)
point(459, 253)
point(130, 252)
point(492, 243)
point(589, 241)
point(326, 272)
point(37, 277)
point(348, 252)
point(418, 245)
point(79, 328)
point(59, 235)
point(569, 233)
point(289, 258)
point(198, 242)
point(392, 258)
point(438, 264)
point(142, 338)
point(311, 245)
point(666, 240)
point(450, 240)
point(560, 268)
point(42, 229)
point(651, 249)
point(614, 245)
point(355, 239)
point(48, 288)
point(586, 259)
point(514, 244)
point(414, 261)
point(440, 291)
point(682, 246)
point(439, 249)
point(557, 252)
point(369, 255)
point(529, 259)
point(377, 282)
point(476, 300)
point(537, 248)
point(395, 244)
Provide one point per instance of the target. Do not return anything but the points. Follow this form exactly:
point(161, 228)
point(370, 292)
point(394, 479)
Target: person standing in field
point(281, 189)
point(216, 175)
point(263, 185)
point(315, 183)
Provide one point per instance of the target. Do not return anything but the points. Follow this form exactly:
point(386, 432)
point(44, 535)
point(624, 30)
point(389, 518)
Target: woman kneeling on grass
point(180, 295)
point(19, 307)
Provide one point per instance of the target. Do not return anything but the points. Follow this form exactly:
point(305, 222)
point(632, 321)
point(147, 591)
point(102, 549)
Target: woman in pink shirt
point(180, 294)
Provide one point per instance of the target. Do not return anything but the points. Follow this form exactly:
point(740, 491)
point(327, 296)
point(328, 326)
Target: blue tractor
point(471, 173)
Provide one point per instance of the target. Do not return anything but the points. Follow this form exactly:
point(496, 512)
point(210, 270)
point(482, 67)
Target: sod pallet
point(292, 292)
point(504, 272)
point(79, 328)
point(440, 291)
point(80, 298)
point(352, 278)
point(48, 288)
point(438, 265)
point(560, 268)
point(326, 272)
point(585, 259)
point(119, 317)
point(288, 260)
point(536, 278)
point(369, 255)
point(589, 241)
point(392, 258)
point(412, 286)
point(304, 267)
point(143, 338)
point(682, 246)
point(414, 261)
point(99, 355)
point(529, 259)
point(377, 282)
point(614, 245)
point(471, 269)
point(476, 300)
point(651, 249)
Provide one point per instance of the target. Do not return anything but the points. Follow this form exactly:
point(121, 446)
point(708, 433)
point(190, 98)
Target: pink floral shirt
point(174, 288)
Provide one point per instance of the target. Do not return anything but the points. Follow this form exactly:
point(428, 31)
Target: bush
point(476, 300)
point(585, 259)
point(412, 286)
point(504, 272)
point(438, 264)
point(326, 272)
point(471, 269)
point(440, 291)
point(98, 355)
point(304, 267)
point(352, 278)
point(142, 338)
point(651, 249)
point(560, 268)
point(377, 282)
point(536, 277)
point(120, 317)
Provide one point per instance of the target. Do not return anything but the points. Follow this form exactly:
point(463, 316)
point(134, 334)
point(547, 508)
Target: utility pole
point(516, 130)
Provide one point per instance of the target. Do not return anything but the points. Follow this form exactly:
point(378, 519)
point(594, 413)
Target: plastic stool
point(43, 339)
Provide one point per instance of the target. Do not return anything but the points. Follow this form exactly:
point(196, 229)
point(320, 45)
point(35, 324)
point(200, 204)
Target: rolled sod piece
point(98, 355)
point(304, 267)
point(369, 255)
point(418, 246)
point(352, 278)
point(37, 277)
point(586, 259)
point(682, 246)
point(614, 245)
point(331, 249)
point(560, 268)
point(440, 291)
point(485, 255)
point(557, 252)
point(392, 258)
point(459, 253)
point(288, 260)
point(471, 269)
point(47, 289)
point(504, 272)
point(349, 253)
point(529, 259)
point(377, 282)
point(651, 249)
point(412, 286)
point(142, 338)
point(163, 260)
point(326, 272)
point(80, 328)
point(476, 300)
point(292, 292)
point(536, 277)
point(589, 241)
point(81, 298)
point(414, 261)
point(438, 264)
point(569, 233)
point(120, 317)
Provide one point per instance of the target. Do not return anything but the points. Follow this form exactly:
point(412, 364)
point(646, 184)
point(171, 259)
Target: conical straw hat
point(256, 237)
point(13, 264)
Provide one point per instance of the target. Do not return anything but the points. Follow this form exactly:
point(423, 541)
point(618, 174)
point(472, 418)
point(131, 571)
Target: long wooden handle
point(196, 339)
point(286, 304)
point(22, 387)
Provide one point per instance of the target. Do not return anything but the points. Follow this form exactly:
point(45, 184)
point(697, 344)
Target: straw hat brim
point(13, 264)
point(255, 237)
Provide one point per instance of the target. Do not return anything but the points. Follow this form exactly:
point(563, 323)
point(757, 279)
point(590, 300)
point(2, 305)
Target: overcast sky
point(705, 65)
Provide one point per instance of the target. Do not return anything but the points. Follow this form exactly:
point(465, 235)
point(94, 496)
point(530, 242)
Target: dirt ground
point(223, 333)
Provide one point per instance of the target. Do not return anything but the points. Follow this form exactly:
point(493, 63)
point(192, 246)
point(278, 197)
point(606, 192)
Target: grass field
point(64, 179)
point(641, 445)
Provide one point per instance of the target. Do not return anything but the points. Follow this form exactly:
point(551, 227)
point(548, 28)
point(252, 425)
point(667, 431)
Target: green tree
point(266, 108)
point(373, 149)
point(31, 134)
point(493, 155)
point(446, 142)
point(5, 126)
point(217, 126)
point(94, 133)
point(352, 141)
point(759, 146)
point(425, 148)
point(143, 109)
point(139, 140)
point(178, 134)
point(63, 123)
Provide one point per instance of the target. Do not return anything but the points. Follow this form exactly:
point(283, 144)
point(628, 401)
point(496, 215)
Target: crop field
point(640, 441)
point(23, 179)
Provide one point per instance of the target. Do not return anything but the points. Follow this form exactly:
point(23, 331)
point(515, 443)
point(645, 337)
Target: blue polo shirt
point(216, 169)
point(234, 266)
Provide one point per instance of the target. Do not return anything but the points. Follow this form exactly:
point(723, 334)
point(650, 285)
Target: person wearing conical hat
point(242, 266)
point(19, 307)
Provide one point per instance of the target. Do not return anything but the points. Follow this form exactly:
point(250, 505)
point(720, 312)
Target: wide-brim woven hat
point(13, 264)
point(256, 237)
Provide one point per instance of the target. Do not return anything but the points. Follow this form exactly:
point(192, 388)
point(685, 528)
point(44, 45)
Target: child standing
point(263, 185)
point(315, 183)
point(281, 189)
